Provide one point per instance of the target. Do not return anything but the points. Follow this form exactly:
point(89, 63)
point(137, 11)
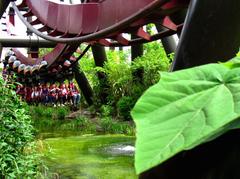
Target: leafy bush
point(40, 112)
point(124, 106)
point(120, 80)
point(152, 62)
point(116, 127)
point(62, 112)
point(106, 110)
point(17, 154)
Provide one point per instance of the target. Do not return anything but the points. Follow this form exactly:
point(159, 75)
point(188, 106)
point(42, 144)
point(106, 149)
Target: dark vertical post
point(1, 47)
point(112, 48)
point(3, 6)
point(219, 37)
point(82, 81)
point(137, 51)
point(11, 14)
point(29, 32)
point(100, 57)
point(33, 51)
point(169, 44)
point(83, 84)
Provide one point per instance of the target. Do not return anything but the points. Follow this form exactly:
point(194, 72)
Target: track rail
point(159, 9)
point(60, 23)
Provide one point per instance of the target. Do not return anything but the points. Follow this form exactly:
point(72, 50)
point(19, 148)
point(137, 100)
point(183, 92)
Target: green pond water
point(90, 157)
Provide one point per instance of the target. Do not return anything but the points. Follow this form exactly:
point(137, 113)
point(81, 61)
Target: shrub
point(124, 106)
point(112, 126)
point(62, 112)
point(121, 82)
point(39, 112)
point(17, 154)
point(106, 110)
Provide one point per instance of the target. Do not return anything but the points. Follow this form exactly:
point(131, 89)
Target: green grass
point(49, 120)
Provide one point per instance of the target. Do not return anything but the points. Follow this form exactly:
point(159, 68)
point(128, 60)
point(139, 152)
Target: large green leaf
point(185, 109)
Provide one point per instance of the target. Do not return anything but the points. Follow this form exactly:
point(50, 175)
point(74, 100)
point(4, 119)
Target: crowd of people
point(55, 95)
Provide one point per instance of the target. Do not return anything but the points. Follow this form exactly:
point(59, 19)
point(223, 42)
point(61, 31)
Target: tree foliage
point(123, 90)
point(44, 51)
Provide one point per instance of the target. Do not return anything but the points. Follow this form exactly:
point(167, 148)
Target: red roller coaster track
point(94, 22)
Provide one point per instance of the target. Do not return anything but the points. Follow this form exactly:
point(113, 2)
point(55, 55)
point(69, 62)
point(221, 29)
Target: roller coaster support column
point(169, 43)
point(3, 6)
point(1, 47)
point(137, 51)
point(11, 14)
point(83, 84)
point(209, 38)
point(100, 57)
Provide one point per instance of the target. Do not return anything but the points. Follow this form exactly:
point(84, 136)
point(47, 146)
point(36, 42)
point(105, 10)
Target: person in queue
point(62, 93)
point(45, 95)
point(74, 93)
point(53, 95)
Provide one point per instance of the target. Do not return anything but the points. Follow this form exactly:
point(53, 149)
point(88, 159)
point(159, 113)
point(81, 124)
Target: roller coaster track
point(92, 22)
point(58, 60)
point(98, 21)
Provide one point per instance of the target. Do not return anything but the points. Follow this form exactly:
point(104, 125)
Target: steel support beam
point(3, 6)
point(83, 84)
point(100, 57)
point(169, 43)
point(209, 38)
point(137, 51)
point(16, 41)
point(1, 47)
